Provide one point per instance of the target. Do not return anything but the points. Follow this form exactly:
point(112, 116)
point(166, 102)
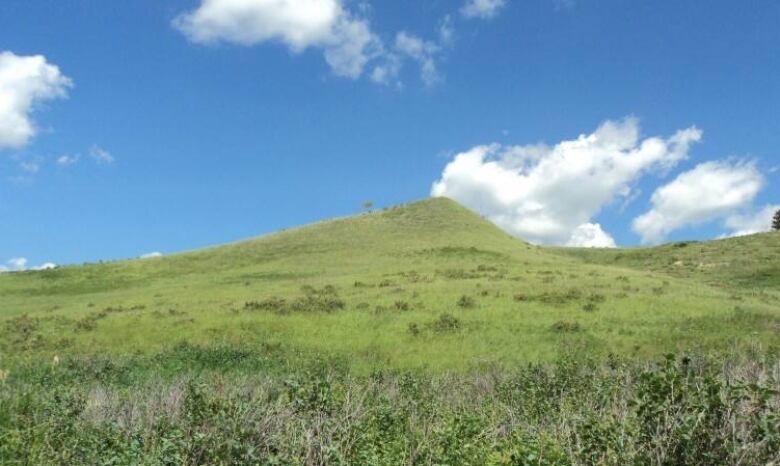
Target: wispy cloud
point(484, 9)
point(66, 160)
point(100, 155)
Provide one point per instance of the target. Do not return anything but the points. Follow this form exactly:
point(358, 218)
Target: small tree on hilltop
point(368, 205)
point(776, 221)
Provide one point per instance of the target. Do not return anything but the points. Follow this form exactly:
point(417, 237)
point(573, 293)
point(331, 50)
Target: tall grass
point(227, 406)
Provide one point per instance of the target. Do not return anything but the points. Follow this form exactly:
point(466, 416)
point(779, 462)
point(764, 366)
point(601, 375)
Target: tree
point(776, 221)
point(368, 205)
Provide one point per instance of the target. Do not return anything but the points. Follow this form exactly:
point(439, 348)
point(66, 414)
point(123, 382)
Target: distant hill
point(424, 284)
point(749, 262)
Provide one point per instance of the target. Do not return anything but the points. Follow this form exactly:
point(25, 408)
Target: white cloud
point(30, 166)
point(25, 81)
point(297, 23)
point(347, 41)
point(46, 266)
point(751, 223)
point(408, 46)
point(150, 255)
point(565, 4)
point(484, 9)
point(66, 160)
point(353, 45)
point(19, 264)
point(446, 31)
point(710, 191)
point(421, 51)
point(96, 153)
point(387, 72)
point(345, 38)
point(101, 155)
point(548, 194)
point(590, 235)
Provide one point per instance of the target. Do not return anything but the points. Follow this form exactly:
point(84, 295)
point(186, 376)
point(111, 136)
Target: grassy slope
point(747, 263)
point(528, 302)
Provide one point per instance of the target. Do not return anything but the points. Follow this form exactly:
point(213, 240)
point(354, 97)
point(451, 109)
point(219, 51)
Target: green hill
point(424, 284)
point(747, 262)
point(419, 335)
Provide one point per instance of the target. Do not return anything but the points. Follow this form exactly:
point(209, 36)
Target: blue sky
point(167, 126)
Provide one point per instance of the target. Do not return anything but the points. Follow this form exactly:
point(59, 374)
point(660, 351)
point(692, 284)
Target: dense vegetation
point(232, 406)
point(414, 335)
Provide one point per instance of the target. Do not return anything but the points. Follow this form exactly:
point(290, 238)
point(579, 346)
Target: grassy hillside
point(744, 263)
point(426, 284)
point(417, 335)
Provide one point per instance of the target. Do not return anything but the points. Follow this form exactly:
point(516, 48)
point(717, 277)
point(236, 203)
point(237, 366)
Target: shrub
point(590, 307)
point(445, 323)
point(324, 300)
point(596, 298)
point(466, 302)
point(563, 326)
point(401, 306)
point(234, 406)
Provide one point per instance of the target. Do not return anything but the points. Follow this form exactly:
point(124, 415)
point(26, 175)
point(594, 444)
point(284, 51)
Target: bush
point(233, 406)
point(466, 302)
point(314, 300)
point(445, 323)
point(564, 326)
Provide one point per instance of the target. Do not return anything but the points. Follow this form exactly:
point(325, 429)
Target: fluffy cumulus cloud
point(19, 264)
point(741, 224)
point(710, 191)
point(482, 8)
point(25, 81)
point(550, 194)
point(590, 235)
point(347, 41)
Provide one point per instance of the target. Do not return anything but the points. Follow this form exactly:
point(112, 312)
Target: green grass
point(396, 273)
point(419, 335)
point(743, 263)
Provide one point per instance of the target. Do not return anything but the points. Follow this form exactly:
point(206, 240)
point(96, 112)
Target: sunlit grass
point(401, 269)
